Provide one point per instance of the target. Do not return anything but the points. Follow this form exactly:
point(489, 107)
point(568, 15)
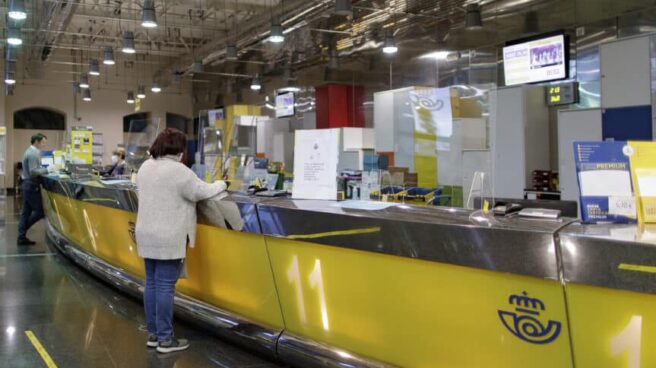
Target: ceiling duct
point(300, 14)
point(51, 21)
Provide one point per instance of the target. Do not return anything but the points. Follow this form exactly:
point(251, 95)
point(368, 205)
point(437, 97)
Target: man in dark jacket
point(32, 206)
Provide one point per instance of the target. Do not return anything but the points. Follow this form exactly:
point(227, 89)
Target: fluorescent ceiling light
point(473, 19)
point(84, 81)
point(390, 45)
point(17, 10)
point(141, 92)
point(343, 7)
point(10, 78)
point(148, 16)
point(437, 55)
point(289, 89)
point(128, 43)
point(231, 51)
point(108, 56)
point(276, 34)
point(256, 84)
point(94, 68)
point(14, 37)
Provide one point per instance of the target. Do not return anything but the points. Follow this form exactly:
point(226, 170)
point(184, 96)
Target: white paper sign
point(432, 111)
point(316, 153)
point(646, 182)
point(622, 206)
point(603, 183)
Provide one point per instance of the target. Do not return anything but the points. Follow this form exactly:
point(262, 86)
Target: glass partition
point(446, 129)
point(140, 137)
point(3, 171)
point(208, 161)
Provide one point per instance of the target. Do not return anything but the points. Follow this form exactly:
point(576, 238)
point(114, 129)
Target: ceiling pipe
point(57, 16)
point(321, 7)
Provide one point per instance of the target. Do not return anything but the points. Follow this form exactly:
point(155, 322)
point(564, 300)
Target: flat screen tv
point(537, 59)
point(285, 105)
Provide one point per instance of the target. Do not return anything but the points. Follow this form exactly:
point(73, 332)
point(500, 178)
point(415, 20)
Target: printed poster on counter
point(316, 153)
point(604, 177)
point(215, 116)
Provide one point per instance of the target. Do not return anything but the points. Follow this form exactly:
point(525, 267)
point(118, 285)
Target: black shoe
point(172, 345)
point(25, 241)
point(152, 341)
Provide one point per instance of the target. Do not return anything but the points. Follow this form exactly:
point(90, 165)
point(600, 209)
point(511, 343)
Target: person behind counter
point(119, 166)
point(32, 210)
point(166, 224)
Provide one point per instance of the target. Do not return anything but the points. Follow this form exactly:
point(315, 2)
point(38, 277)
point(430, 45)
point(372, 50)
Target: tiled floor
point(79, 320)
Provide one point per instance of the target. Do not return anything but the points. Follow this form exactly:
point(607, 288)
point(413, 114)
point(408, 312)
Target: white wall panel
point(626, 73)
point(574, 125)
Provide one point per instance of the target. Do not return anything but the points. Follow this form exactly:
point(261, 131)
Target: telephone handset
point(506, 208)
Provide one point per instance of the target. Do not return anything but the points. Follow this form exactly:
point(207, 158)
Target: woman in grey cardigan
point(166, 225)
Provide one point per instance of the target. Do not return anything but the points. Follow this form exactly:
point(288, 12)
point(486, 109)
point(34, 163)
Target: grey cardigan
point(168, 192)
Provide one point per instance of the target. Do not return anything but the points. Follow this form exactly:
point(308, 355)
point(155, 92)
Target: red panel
point(338, 98)
point(355, 102)
point(323, 107)
point(339, 105)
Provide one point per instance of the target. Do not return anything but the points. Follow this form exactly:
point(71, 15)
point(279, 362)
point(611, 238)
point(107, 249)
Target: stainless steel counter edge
point(276, 344)
point(612, 256)
point(301, 352)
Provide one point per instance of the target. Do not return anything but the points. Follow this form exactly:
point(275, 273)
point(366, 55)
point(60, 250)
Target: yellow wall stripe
point(637, 268)
point(368, 230)
point(40, 349)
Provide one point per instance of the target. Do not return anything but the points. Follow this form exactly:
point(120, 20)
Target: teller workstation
point(364, 284)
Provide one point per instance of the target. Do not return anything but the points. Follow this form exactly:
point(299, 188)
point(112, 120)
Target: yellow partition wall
point(226, 269)
point(415, 313)
point(612, 328)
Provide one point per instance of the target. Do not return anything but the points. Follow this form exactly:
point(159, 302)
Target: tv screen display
point(285, 104)
point(540, 59)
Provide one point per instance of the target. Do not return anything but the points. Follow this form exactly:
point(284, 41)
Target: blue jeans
point(32, 210)
point(161, 276)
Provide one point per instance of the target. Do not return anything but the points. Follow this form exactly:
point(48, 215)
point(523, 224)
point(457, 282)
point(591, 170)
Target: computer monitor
point(47, 161)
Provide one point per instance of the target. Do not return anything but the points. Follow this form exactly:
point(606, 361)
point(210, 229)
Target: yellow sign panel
point(612, 328)
point(413, 313)
point(642, 157)
point(82, 145)
point(3, 130)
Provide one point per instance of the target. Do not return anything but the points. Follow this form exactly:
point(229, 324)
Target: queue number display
point(562, 94)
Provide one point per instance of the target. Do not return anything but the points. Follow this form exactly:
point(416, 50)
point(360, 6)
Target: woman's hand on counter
point(223, 185)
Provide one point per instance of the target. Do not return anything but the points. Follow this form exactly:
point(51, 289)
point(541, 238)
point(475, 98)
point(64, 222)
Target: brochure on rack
point(604, 177)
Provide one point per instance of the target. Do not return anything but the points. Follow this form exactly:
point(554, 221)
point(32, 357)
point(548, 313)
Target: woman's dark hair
point(169, 142)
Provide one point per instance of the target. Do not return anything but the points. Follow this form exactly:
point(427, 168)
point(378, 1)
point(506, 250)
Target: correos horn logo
point(525, 321)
